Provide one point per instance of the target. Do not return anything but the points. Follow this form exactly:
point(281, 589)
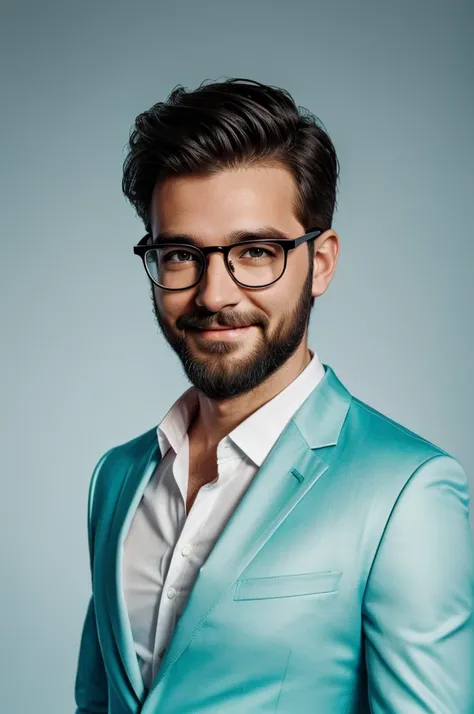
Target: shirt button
point(171, 593)
point(186, 550)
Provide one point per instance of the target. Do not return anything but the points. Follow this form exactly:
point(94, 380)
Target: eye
point(179, 256)
point(257, 251)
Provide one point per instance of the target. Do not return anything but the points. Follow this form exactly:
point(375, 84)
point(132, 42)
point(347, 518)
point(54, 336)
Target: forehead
point(237, 199)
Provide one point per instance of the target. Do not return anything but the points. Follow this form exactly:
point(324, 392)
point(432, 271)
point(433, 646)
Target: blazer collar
point(321, 416)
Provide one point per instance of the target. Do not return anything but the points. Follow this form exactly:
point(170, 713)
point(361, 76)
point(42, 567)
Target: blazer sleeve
point(91, 690)
point(418, 605)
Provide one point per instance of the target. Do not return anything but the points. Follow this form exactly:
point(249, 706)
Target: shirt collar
point(173, 428)
point(257, 434)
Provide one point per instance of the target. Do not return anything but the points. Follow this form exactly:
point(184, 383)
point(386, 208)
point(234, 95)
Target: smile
point(223, 333)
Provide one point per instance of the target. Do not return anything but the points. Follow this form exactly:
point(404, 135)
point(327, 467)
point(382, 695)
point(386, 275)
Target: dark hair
point(229, 124)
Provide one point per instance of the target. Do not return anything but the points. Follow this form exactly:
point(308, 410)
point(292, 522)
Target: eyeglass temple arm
point(308, 236)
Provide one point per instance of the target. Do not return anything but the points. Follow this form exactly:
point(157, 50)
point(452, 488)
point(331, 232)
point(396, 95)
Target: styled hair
point(230, 124)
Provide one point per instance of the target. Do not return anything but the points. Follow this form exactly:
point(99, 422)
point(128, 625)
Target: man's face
point(223, 363)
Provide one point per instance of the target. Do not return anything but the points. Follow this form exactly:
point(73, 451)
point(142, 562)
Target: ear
point(326, 252)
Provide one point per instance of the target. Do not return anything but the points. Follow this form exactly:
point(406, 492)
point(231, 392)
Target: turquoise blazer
point(342, 584)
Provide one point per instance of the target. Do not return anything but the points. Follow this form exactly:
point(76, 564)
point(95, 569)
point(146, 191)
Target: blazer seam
point(394, 505)
point(90, 501)
point(403, 429)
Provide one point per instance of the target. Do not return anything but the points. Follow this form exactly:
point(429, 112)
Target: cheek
point(279, 298)
point(171, 305)
point(271, 303)
point(295, 278)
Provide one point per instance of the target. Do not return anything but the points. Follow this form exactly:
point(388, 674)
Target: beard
point(218, 376)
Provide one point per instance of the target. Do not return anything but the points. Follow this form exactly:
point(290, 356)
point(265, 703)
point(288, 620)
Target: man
point(275, 544)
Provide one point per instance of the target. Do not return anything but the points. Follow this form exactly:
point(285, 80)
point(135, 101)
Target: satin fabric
point(342, 584)
point(161, 530)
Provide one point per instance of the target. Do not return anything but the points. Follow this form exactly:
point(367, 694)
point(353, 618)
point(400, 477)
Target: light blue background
point(83, 367)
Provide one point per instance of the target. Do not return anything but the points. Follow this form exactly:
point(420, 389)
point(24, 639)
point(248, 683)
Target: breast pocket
point(287, 585)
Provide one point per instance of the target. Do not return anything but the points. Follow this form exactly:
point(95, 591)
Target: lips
point(219, 334)
point(219, 329)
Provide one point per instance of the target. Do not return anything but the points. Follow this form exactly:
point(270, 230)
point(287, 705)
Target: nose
point(217, 290)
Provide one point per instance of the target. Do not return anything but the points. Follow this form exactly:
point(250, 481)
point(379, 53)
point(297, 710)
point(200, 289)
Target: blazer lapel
point(293, 466)
point(134, 484)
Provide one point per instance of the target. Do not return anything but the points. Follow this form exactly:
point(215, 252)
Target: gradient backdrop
point(83, 367)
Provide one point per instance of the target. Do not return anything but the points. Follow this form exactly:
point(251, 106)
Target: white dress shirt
point(165, 547)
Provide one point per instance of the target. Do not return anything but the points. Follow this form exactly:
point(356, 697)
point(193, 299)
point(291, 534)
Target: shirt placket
point(193, 525)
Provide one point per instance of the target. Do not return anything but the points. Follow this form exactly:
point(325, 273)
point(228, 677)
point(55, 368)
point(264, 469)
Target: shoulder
point(381, 436)
point(389, 459)
point(400, 479)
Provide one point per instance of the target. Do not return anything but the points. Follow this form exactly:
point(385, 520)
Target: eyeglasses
point(251, 263)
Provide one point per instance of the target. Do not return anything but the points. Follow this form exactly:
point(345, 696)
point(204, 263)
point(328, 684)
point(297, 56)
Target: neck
point(217, 418)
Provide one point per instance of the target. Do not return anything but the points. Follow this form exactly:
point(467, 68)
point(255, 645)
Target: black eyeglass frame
point(287, 244)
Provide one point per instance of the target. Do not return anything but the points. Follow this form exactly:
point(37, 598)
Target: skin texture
point(235, 377)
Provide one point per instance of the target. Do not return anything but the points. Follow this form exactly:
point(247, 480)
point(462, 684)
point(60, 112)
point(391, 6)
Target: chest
point(202, 470)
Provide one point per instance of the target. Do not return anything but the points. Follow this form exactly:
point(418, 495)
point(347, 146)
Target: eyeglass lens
point(178, 267)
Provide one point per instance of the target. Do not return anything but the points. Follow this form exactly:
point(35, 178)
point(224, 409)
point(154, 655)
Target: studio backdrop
point(83, 365)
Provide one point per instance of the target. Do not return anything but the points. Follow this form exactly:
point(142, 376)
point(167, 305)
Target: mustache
point(220, 319)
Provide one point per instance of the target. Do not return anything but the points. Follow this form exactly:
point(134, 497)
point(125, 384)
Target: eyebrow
point(266, 233)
